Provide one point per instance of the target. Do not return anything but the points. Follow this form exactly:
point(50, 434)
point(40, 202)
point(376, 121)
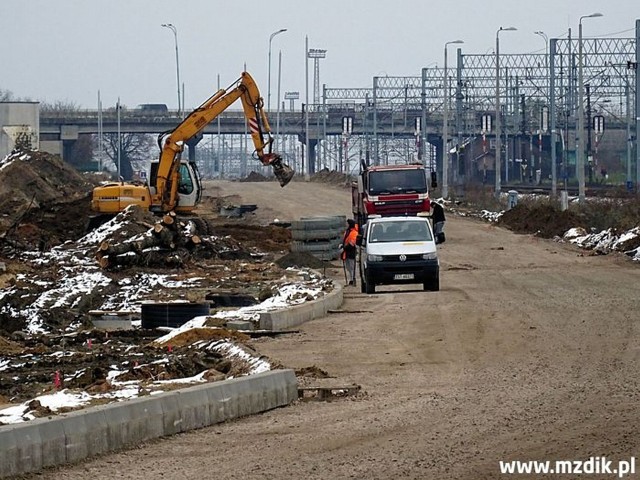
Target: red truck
point(390, 190)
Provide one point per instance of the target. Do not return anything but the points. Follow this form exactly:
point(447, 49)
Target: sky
point(68, 50)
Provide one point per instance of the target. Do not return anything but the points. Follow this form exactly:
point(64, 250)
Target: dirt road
point(529, 352)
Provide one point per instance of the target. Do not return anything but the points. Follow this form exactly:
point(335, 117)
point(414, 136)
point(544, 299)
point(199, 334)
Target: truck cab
point(390, 190)
point(398, 250)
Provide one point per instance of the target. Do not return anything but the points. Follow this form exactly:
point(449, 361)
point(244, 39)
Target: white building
point(19, 125)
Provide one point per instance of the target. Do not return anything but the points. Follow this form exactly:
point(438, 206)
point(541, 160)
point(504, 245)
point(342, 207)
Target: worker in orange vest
point(349, 250)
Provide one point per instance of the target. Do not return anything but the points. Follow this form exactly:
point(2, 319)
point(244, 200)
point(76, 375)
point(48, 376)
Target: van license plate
point(403, 276)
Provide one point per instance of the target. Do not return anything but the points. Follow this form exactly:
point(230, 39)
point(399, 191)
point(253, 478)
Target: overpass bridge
point(376, 133)
point(325, 121)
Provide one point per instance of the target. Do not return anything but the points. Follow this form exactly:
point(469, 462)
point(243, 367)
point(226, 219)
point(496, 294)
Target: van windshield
point(400, 231)
point(397, 181)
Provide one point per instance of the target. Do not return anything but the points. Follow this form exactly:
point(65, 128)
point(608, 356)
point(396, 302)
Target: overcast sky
point(67, 50)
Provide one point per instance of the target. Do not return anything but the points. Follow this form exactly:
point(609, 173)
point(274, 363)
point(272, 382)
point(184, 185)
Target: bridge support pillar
point(191, 143)
point(313, 156)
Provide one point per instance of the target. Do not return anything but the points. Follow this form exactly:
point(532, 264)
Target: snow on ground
point(603, 242)
point(78, 275)
point(66, 399)
point(308, 286)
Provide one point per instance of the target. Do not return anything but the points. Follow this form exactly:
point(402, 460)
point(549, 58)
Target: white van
point(398, 250)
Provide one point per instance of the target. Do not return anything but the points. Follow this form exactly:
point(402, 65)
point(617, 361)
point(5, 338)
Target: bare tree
point(5, 95)
point(82, 153)
point(136, 152)
point(59, 108)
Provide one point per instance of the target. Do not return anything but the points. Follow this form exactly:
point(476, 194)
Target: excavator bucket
point(284, 173)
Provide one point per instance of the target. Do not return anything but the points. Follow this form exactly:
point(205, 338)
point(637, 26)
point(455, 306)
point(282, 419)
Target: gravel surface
point(528, 352)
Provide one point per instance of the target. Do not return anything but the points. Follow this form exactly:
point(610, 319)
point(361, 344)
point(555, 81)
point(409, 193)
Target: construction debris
point(56, 276)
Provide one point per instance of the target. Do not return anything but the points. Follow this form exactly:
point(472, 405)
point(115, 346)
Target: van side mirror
point(359, 240)
point(434, 179)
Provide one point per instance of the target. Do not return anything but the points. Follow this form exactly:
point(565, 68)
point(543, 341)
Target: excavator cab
point(189, 185)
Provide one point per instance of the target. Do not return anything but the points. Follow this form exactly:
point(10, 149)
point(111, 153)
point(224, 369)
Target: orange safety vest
point(349, 240)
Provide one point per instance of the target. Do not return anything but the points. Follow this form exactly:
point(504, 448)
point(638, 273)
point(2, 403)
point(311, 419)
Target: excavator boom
point(246, 89)
point(170, 190)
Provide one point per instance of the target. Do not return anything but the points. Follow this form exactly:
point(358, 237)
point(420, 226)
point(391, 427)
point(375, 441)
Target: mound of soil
point(264, 238)
point(30, 179)
point(542, 219)
point(300, 259)
point(44, 200)
point(331, 177)
point(255, 177)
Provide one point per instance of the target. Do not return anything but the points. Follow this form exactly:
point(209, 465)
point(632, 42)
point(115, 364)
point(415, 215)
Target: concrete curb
point(66, 438)
point(291, 317)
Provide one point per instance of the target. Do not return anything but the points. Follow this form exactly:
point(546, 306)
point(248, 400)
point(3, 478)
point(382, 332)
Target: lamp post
point(445, 124)
point(282, 30)
point(119, 139)
point(498, 119)
point(544, 121)
point(546, 45)
point(278, 97)
point(580, 133)
point(175, 36)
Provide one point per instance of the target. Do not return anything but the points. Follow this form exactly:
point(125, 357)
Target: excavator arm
point(172, 143)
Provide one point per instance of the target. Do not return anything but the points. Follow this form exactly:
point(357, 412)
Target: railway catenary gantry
point(530, 83)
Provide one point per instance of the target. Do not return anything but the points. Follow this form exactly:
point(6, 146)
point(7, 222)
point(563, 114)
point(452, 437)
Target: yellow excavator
point(174, 185)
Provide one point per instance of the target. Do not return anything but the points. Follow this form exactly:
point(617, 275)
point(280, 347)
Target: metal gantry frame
point(529, 83)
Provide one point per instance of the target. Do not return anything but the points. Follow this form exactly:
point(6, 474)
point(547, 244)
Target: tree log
point(170, 242)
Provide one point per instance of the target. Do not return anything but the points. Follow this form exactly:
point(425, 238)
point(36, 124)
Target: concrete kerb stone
point(147, 419)
point(97, 426)
point(70, 437)
point(52, 439)
point(118, 425)
point(9, 452)
point(298, 314)
point(194, 408)
point(171, 418)
point(76, 432)
point(29, 446)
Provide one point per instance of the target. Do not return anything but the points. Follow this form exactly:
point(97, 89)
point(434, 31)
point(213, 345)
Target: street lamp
point(498, 119)
point(445, 124)
point(282, 30)
point(580, 133)
point(175, 36)
point(546, 46)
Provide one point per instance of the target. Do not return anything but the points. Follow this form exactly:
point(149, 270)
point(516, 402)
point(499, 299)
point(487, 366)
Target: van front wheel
point(369, 286)
point(432, 285)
